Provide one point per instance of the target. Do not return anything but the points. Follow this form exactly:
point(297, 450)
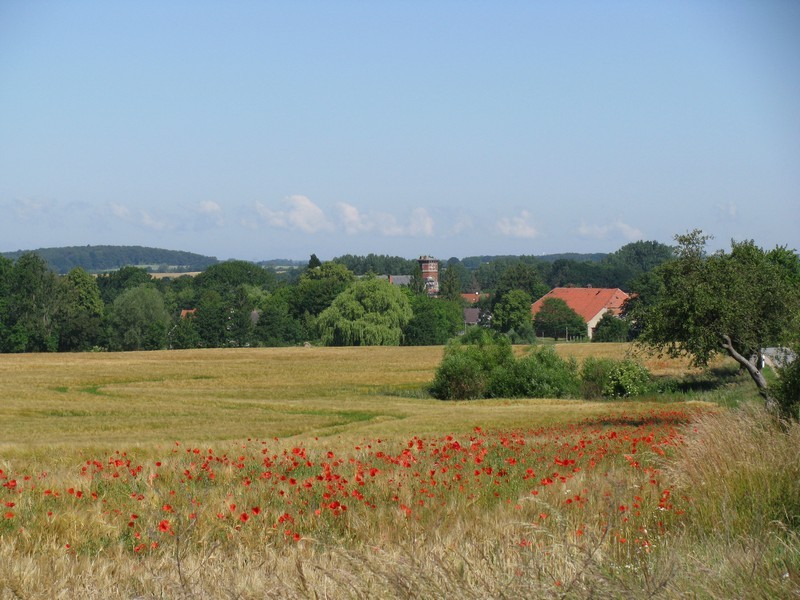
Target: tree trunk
point(754, 371)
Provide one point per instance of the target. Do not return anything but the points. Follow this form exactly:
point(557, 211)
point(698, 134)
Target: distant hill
point(97, 259)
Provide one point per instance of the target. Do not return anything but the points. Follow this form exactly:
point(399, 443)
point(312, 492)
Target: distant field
point(329, 473)
point(174, 275)
point(226, 394)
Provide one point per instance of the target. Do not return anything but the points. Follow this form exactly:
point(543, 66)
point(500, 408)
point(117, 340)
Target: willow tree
point(735, 303)
point(371, 312)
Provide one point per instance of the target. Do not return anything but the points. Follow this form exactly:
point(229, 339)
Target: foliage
point(434, 321)
point(482, 365)
point(380, 264)
point(95, 259)
point(317, 288)
point(523, 276)
point(184, 335)
point(787, 388)
point(539, 374)
point(512, 311)
point(555, 318)
point(468, 364)
point(113, 284)
point(611, 328)
point(80, 313)
point(31, 307)
point(227, 277)
point(594, 376)
point(371, 312)
point(450, 283)
point(737, 302)
point(276, 326)
point(627, 378)
point(138, 320)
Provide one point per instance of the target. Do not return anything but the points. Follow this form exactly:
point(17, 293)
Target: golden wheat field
point(328, 473)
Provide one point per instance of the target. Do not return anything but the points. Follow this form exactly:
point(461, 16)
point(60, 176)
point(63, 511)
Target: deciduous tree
point(371, 312)
point(735, 302)
point(555, 318)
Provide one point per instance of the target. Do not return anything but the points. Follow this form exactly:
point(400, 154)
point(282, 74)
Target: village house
point(589, 303)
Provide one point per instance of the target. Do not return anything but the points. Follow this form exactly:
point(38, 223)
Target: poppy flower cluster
point(291, 492)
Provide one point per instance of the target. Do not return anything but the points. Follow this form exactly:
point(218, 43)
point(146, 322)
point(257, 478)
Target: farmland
point(328, 472)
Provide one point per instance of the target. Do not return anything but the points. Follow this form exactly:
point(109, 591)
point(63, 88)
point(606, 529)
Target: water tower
point(430, 274)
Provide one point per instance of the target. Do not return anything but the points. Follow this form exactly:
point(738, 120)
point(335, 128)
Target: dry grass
point(481, 536)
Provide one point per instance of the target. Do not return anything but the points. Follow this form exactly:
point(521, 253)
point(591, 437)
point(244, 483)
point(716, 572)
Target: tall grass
point(661, 500)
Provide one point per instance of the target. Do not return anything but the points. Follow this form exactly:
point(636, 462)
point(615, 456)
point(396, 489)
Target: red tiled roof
point(473, 297)
point(587, 302)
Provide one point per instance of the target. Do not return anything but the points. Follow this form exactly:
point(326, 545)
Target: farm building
point(589, 303)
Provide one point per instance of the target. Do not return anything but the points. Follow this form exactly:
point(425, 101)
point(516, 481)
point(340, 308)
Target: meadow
point(329, 473)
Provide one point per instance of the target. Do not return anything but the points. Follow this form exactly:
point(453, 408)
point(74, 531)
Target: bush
point(595, 376)
point(540, 374)
point(482, 365)
point(627, 378)
point(523, 334)
point(611, 329)
point(787, 389)
point(468, 363)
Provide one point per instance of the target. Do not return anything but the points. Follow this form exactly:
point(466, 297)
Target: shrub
point(611, 329)
point(595, 376)
point(787, 389)
point(540, 374)
point(627, 378)
point(468, 363)
point(482, 365)
point(523, 334)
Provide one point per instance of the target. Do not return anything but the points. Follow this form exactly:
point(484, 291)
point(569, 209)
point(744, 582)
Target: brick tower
point(430, 274)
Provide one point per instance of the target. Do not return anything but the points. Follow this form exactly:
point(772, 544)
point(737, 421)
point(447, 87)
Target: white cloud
point(353, 220)
point(152, 222)
point(387, 224)
point(519, 226)
point(421, 223)
point(300, 213)
point(728, 211)
point(142, 217)
point(29, 207)
point(615, 229)
point(120, 211)
point(212, 211)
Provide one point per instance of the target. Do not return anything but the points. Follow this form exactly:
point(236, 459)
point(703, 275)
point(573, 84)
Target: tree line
point(97, 259)
point(238, 303)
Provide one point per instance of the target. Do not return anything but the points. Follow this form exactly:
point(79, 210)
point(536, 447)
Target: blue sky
point(260, 130)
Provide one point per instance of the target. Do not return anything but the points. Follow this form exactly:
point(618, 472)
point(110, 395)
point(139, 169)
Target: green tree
point(520, 276)
point(276, 326)
point(33, 305)
point(450, 283)
point(113, 284)
point(317, 288)
point(227, 278)
point(434, 322)
point(183, 334)
point(6, 268)
point(417, 284)
point(555, 318)
point(371, 312)
point(138, 320)
point(314, 262)
point(513, 311)
point(611, 329)
point(735, 303)
point(81, 312)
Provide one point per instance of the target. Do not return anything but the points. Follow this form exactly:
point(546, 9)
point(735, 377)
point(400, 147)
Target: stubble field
point(323, 472)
